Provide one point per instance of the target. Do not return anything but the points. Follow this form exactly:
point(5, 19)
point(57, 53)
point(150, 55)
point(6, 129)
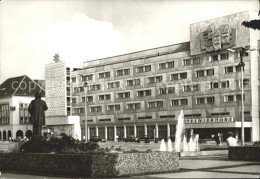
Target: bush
point(257, 143)
point(61, 144)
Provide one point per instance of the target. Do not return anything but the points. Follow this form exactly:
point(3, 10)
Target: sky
point(32, 31)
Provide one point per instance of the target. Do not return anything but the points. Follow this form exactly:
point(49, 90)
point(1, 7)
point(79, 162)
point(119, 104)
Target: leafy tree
point(253, 24)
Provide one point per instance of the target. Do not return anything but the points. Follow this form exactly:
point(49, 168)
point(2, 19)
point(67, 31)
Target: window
point(214, 57)
point(123, 95)
point(207, 72)
point(143, 69)
point(89, 99)
point(179, 102)
point(78, 110)
point(94, 87)
point(234, 97)
point(101, 120)
point(104, 75)
point(186, 88)
point(73, 79)
point(192, 61)
point(144, 93)
point(214, 85)
point(167, 90)
point(189, 88)
point(104, 97)
point(134, 106)
point(23, 113)
point(224, 56)
point(113, 85)
point(87, 77)
point(115, 107)
point(96, 109)
point(155, 104)
point(175, 76)
point(183, 75)
point(145, 117)
point(187, 62)
point(205, 100)
point(196, 60)
point(123, 72)
point(229, 69)
point(225, 84)
point(166, 65)
point(155, 79)
point(210, 72)
point(200, 73)
point(200, 101)
point(73, 100)
point(124, 119)
point(179, 76)
point(210, 100)
point(133, 82)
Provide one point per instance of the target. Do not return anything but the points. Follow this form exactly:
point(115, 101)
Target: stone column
point(96, 130)
point(236, 133)
point(145, 129)
point(106, 132)
point(135, 130)
point(168, 130)
point(115, 133)
point(124, 131)
point(156, 130)
point(88, 133)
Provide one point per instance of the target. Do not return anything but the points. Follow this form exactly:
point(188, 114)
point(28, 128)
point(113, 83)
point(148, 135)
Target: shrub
point(61, 144)
point(256, 143)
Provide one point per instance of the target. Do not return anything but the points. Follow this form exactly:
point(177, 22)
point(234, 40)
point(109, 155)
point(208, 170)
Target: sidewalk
point(191, 167)
point(212, 167)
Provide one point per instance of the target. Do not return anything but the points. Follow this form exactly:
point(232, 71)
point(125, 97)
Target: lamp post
point(86, 121)
point(242, 65)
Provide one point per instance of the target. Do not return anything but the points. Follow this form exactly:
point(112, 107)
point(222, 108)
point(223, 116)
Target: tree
point(253, 24)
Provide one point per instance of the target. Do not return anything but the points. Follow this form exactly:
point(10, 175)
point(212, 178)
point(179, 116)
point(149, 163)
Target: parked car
point(131, 139)
point(97, 139)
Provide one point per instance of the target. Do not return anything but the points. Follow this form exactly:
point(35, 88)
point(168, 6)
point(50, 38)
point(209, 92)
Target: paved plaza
point(190, 167)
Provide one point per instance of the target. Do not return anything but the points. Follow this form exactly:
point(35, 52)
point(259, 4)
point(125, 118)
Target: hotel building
point(142, 93)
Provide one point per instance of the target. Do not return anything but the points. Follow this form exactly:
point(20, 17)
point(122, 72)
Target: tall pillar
point(168, 130)
point(145, 129)
point(106, 132)
point(88, 133)
point(254, 80)
point(124, 131)
point(115, 133)
point(156, 130)
point(236, 133)
point(135, 130)
point(96, 130)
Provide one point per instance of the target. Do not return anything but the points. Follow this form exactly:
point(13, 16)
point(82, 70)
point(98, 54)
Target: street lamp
point(242, 51)
point(86, 124)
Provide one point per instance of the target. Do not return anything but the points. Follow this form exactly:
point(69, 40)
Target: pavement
point(217, 166)
point(190, 167)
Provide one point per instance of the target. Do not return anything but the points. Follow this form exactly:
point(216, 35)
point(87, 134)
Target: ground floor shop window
point(140, 131)
point(101, 132)
point(92, 132)
point(129, 131)
point(162, 132)
point(151, 131)
point(110, 133)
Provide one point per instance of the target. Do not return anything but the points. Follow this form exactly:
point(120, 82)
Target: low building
point(142, 93)
point(15, 96)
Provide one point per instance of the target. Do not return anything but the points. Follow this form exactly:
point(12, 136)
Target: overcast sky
point(32, 31)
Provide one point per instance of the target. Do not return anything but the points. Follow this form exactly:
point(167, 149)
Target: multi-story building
point(142, 93)
point(15, 96)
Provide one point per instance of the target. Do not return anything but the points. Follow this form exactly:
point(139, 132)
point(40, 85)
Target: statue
point(56, 58)
point(36, 110)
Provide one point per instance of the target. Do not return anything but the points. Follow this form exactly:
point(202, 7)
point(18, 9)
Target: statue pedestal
point(70, 125)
